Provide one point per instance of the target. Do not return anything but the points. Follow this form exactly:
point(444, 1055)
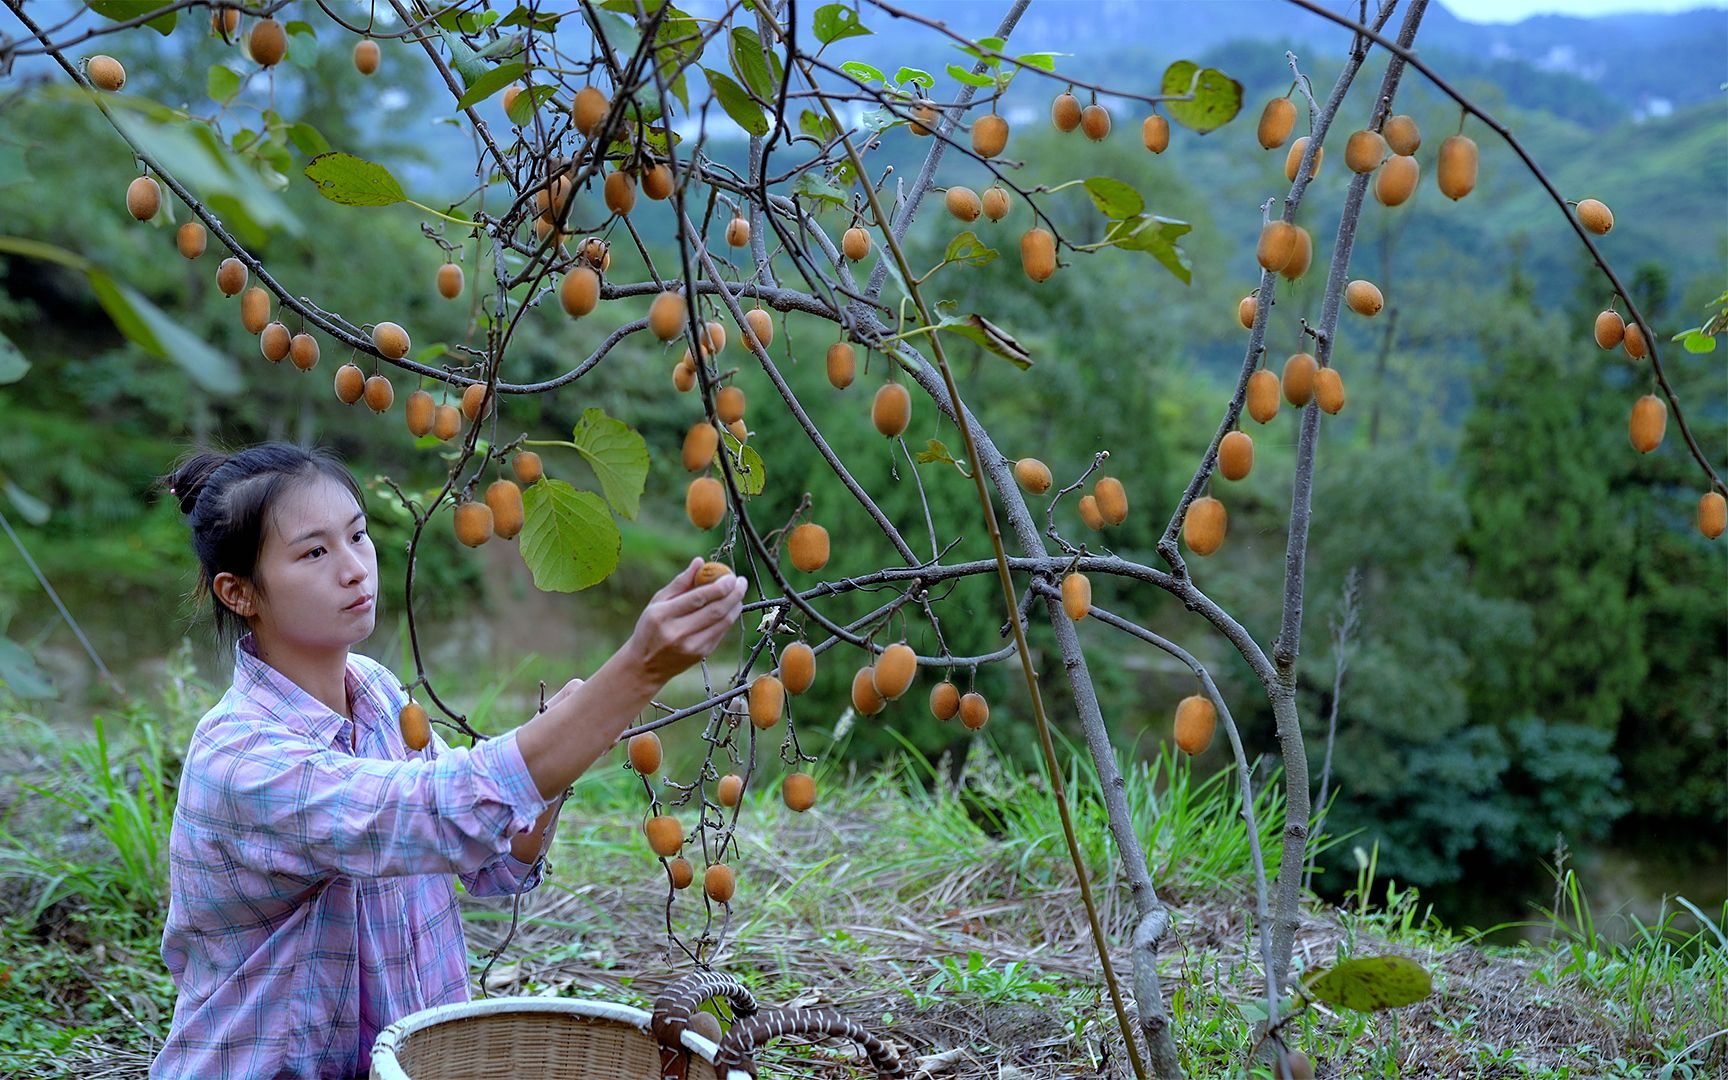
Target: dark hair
point(228, 498)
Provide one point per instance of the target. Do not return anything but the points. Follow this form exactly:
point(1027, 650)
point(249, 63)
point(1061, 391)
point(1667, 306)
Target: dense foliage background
point(1542, 650)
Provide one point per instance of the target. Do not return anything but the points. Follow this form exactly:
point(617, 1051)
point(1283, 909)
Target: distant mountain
point(1649, 63)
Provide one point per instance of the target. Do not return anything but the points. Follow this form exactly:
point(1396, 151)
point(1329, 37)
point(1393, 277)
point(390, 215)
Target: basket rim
point(385, 1067)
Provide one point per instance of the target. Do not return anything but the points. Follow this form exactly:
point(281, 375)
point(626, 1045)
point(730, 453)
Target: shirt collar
point(284, 699)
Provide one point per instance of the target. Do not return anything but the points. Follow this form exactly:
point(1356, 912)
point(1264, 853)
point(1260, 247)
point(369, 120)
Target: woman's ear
point(235, 593)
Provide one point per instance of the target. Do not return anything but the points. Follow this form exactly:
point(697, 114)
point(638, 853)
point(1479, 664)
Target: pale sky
point(1513, 10)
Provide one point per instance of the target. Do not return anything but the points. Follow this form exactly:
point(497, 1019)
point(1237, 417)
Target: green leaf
point(863, 72)
point(1372, 983)
point(814, 186)
point(528, 102)
point(300, 26)
point(1044, 61)
point(353, 181)
point(1217, 97)
point(916, 76)
point(981, 331)
point(1113, 198)
point(817, 127)
point(618, 456)
point(747, 467)
point(737, 103)
point(490, 83)
point(12, 362)
point(968, 250)
point(569, 539)
point(984, 47)
point(159, 335)
point(836, 21)
point(1157, 237)
point(748, 62)
point(124, 10)
point(1697, 341)
point(308, 139)
point(531, 19)
point(467, 64)
point(19, 673)
point(222, 83)
point(965, 75)
point(934, 450)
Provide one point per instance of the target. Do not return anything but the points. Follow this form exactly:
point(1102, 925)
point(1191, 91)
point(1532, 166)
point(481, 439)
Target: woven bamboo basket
point(539, 1038)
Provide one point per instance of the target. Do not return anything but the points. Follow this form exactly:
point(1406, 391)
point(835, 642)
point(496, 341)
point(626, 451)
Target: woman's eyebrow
point(358, 514)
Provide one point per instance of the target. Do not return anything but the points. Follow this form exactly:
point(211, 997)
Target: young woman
point(311, 854)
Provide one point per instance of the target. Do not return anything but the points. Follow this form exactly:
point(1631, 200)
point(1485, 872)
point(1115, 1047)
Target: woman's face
point(317, 560)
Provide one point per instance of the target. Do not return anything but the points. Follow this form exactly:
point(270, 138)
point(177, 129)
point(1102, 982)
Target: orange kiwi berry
point(665, 835)
point(682, 874)
point(700, 444)
point(1364, 151)
point(995, 202)
point(1095, 122)
point(729, 790)
point(416, 727)
point(255, 309)
point(449, 281)
point(505, 500)
point(1634, 342)
point(1236, 455)
point(963, 203)
point(1329, 390)
point(473, 523)
point(1402, 134)
point(476, 402)
point(1293, 159)
point(767, 701)
point(274, 341)
point(705, 502)
point(1276, 121)
point(366, 57)
point(1277, 245)
point(1301, 258)
point(390, 340)
point(350, 384)
point(710, 572)
point(1246, 309)
point(1065, 112)
point(1594, 215)
point(1364, 297)
point(989, 135)
point(589, 109)
point(1033, 475)
point(231, 276)
point(798, 791)
point(808, 546)
point(855, 244)
point(1649, 423)
point(191, 239)
point(579, 292)
point(891, 412)
point(419, 409)
point(944, 700)
point(645, 753)
point(738, 232)
point(758, 329)
point(268, 42)
point(719, 883)
point(620, 192)
point(1204, 525)
point(526, 466)
point(657, 181)
point(666, 315)
point(1155, 133)
point(1456, 173)
point(1263, 393)
point(894, 670)
point(842, 365)
point(1038, 254)
point(143, 198)
point(797, 667)
point(1712, 514)
point(974, 710)
point(303, 351)
point(1396, 181)
point(1196, 718)
point(446, 422)
point(1610, 330)
point(1090, 514)
point(729, 404)
point(865, 697)
point(105, 73)
point(1299, 379)
point(1112, 500)
point(379, 394)
point(1076, 595)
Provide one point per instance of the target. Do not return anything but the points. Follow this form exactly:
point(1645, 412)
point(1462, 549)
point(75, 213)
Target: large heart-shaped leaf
point(1216, 97)
point(1114, 198)
point(1372, 983)
point(737, 103)
point(490, 83)
point(125, 10)
point(836, 21)
point(569, 539)
point(1157, 237)
point(618, 456)
point(747, 467)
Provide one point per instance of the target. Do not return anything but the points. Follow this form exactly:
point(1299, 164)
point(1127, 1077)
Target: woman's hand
point(684, 622)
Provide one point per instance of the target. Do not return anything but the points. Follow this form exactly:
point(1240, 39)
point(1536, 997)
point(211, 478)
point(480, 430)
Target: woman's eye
point(313, 552)
point(359, 534)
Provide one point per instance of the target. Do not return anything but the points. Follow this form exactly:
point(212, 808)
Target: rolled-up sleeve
point(306, 810)
point(505, 874)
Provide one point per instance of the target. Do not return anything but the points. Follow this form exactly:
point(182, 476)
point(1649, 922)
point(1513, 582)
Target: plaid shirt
point(310, 900)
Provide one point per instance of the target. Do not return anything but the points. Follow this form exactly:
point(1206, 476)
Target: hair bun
point(186, 482)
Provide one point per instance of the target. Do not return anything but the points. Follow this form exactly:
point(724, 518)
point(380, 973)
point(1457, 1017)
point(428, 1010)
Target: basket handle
point(736, 1048)
point(678, 1000)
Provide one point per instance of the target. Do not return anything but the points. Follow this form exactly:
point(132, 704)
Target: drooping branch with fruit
point(590, 96)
